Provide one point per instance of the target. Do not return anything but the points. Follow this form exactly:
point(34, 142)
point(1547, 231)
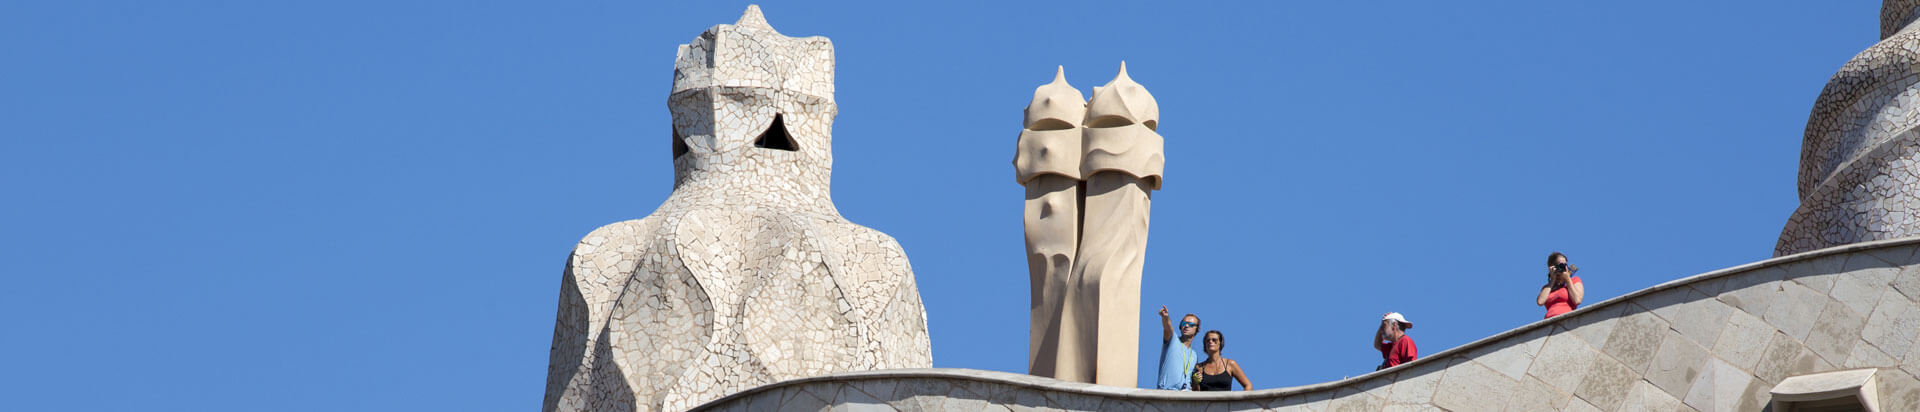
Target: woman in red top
point(1563, 291)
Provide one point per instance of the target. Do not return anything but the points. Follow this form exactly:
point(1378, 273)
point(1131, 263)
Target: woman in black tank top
point(1217, 373)
point(1220, 382)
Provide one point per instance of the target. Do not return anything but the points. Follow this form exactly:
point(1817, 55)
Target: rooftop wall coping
point(1050, 384)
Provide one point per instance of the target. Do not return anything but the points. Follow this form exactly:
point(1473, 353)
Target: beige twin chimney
point(1089, 167)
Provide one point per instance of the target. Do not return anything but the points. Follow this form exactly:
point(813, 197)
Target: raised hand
point(1166, 325)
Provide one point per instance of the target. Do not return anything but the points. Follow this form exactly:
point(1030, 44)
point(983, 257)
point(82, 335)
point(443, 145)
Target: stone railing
point(1716, 341)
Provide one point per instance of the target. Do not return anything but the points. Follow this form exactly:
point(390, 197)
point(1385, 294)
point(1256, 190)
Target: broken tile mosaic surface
point(747, 274)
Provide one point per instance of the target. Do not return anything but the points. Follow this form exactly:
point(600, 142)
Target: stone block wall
point(1713, 342)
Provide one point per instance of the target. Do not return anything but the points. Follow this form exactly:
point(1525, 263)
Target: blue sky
point(366, 205)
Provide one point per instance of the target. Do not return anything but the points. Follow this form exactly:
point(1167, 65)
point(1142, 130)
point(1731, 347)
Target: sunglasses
point(1184, 325)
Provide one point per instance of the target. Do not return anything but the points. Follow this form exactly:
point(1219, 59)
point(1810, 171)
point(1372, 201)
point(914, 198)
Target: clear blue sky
point(366, 205)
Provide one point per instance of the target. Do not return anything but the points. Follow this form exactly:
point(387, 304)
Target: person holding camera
point(1563, 291)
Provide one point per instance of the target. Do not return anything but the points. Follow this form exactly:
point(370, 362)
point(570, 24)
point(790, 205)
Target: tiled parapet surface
point(1859, 158)
point(1713, 342)
point(747, 274)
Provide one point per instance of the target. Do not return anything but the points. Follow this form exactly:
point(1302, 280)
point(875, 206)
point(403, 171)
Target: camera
point(1560, 267)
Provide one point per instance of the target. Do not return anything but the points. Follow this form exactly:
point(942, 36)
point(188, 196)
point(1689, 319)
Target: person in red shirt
point(1392, 341)
point(1563, 291)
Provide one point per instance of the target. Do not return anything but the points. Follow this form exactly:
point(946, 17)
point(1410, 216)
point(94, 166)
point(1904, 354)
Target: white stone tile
point(1908, 282)
point(1753, 291)
point(1697, 316)
point(1646, 397)
point(1894, 256)
point(1352, 400)
point(1833, 336)
point(1678, 362)
point(1578, 405)
point(1412, 408)
point(1309, 402)
point(1562, 362)
point(1593, 326)
point(1898, 389)
point(1860, 289)
point(1416, 385)
point(1512, 355)
point(1530, 394)
point(1718, 388)
point(1470, 386)
point(1796, 310)
point(1607, 383)
point(1665, 303)
point(1864, 355)
point(1818, 273)
point(1894, 324)
point(1743, 340)
point(1243, 406)
point(1636, 337)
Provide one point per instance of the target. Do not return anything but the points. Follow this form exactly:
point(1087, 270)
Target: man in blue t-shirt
point(1177, 361)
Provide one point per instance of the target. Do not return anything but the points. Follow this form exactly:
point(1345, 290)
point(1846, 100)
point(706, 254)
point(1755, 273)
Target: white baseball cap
point(1397, 317)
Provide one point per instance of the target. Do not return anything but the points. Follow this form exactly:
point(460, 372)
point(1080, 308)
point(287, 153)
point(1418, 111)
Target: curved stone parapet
point(1716, 341)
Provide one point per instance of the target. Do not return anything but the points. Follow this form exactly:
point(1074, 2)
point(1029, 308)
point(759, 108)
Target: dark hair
point(1556, 254)
point(1196, 320)
point(1223, 340)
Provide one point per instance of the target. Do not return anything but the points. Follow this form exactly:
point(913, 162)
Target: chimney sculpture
point(1089, 171)
point(1859, 177)
point(1048, 164)
point(747, 274)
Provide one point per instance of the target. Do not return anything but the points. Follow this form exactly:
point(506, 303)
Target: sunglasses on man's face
point(1184, 325)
